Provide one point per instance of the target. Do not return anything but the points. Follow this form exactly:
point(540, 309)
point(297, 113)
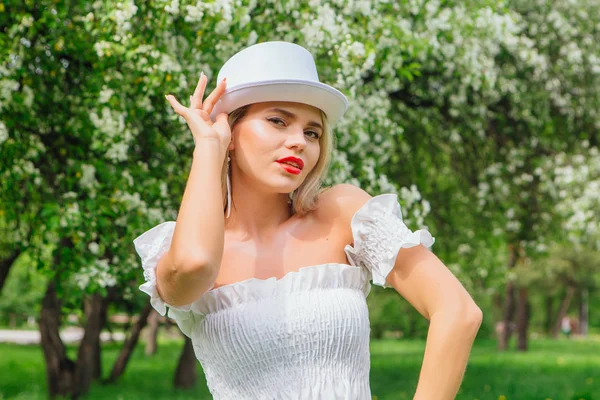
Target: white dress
point(304, 336)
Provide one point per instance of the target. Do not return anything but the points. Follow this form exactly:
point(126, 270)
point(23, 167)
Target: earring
point(228, 188)
point(291, 196)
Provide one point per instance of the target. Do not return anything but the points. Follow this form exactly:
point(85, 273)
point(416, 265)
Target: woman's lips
point(290, 169)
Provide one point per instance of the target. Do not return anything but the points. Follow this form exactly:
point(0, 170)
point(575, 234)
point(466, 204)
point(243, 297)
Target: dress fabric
point(304, 336)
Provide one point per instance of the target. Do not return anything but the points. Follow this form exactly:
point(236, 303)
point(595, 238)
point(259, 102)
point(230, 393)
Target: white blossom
point(88, 178)
point(105, 95)
point(93, 247)
point(173, 7)
point(3, 132)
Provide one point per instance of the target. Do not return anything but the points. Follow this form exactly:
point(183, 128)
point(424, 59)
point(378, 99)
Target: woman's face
point(271, 131)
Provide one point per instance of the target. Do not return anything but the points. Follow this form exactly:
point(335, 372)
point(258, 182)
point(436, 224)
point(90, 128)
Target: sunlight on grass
point(551, 370)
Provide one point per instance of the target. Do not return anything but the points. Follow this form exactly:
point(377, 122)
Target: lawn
point(557, 370)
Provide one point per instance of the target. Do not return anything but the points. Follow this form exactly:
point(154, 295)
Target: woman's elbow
point(472, 317)
point(463, 315)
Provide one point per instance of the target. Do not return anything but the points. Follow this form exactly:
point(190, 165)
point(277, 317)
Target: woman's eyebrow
point(293, 116)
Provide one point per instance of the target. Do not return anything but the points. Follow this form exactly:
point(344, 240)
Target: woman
point(267, 273)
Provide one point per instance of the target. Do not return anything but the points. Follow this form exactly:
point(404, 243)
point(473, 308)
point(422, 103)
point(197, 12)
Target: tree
point(87, 136)
point(453, 105)
point(491, 107)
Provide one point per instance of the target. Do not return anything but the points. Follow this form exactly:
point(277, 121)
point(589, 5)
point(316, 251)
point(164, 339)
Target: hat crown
point(269, 61)
point(277, 71)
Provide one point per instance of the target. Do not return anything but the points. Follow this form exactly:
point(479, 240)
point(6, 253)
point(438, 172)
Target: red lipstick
point(292, 165)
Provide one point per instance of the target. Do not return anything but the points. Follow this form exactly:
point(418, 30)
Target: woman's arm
point(449, 342)
point(424, 281)
point(192, 264)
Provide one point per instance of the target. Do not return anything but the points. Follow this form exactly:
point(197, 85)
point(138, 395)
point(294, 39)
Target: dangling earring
point(228, 188)
point(291, 197)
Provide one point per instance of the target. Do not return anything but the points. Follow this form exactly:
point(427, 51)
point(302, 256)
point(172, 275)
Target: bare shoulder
point(339, 203)
point(342, 199)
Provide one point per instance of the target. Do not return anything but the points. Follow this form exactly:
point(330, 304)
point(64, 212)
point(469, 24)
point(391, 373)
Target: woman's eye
point(316, 135)
point(277, 121)
point(280, 122)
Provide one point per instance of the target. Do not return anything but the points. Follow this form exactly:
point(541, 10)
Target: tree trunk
point(562, 311)
point(129, 345)
point(60, 370)
point(152, 332)
point(88, 356)
point(509, 304)
point(12, 321)
point(377, 331)
point(509, 312)
point(103, 318)
point(5, 265)
point(549, 312)
point(497, 306)
point(185, 375)
point(522, 319)
point(584, 312)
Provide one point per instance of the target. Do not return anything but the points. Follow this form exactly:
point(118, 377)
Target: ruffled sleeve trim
point(151, 246)
point(379, 233)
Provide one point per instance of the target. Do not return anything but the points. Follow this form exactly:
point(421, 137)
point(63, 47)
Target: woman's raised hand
point(197, 115)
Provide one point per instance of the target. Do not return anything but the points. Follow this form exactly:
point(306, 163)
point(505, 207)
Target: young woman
point(267, 272)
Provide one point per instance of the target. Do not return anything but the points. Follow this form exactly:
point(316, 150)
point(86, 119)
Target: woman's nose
point(296, 138)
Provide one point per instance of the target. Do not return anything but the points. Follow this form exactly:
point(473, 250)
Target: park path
point(69, 335)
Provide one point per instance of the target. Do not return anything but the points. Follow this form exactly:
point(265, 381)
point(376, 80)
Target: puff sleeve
point(151, 246)
point(379, 233)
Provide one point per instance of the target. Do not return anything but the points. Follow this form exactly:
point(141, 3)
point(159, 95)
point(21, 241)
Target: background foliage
point(484, 116)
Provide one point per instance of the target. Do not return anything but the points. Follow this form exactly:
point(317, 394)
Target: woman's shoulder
point(340, 202)
point(343, 194)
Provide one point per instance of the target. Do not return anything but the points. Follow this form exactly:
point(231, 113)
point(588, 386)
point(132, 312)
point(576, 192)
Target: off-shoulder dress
point(304, 336)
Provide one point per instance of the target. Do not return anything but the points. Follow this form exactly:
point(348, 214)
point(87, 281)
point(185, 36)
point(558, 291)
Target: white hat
point(277, 71)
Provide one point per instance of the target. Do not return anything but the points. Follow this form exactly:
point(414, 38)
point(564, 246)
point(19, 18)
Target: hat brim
point(324, 97)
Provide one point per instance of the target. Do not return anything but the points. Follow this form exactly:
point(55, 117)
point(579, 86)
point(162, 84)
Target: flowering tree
point(574, 261)
point(87, 137)
point(553, 112)
point(501, 92)
point(442, 94)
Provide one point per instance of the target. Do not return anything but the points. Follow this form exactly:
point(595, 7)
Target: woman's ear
point(231, 141)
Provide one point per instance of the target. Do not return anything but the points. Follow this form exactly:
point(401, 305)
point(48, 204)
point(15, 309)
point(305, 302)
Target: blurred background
point(483, 116)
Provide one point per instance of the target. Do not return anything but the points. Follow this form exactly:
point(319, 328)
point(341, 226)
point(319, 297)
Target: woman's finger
point(216, 94)
point(179, 109)
point(198, 126)
point(221, 124)
point(196, 100)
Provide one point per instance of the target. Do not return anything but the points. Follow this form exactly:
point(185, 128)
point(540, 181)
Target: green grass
point(557, 370)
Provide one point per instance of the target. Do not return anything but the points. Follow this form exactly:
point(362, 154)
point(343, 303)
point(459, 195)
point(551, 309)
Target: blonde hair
point(306, 195)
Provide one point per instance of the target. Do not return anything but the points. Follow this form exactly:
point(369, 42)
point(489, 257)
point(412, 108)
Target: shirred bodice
point(304, 336)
